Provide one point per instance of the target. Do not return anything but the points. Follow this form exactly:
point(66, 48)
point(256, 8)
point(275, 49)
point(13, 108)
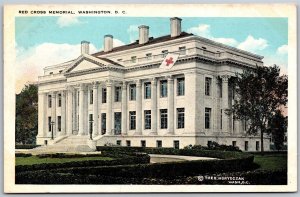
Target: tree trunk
point(262, 142)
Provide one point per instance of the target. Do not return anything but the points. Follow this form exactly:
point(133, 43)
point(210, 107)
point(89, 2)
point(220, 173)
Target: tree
point(27, 115)
point(260, 94)
point(278, 128)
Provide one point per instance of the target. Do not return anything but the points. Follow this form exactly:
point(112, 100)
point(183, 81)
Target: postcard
point(150, 98)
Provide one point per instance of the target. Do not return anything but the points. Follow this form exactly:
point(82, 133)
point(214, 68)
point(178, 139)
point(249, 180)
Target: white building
point(133, 102)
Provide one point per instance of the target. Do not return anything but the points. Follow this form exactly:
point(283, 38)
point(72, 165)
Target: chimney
point(85, 47)
point(175, 24)
point(108, 43)
point(143, 34)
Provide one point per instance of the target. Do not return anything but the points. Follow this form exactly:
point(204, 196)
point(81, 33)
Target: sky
point(49, 40)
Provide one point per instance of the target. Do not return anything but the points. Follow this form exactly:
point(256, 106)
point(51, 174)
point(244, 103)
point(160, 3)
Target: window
point(78, 98)
point(246, 145)
point(147, 88)
point(49, 101)
point(158, 143)
point(133, 59)
point(257, 145)
point(49, 123)
point(103, 123)
point(104, 94)
point(91, 96)
point(117, 123)
point(180, 86)
point(164, 53)
point(128, 143)
point(182, 50)
point(51, 73)
point(209, 144)
point(234, 143)
point(60, 71)
point(163, 88)
point(245, 125)
point(221, 119)
point(147, 116)
point(149, 56)
point(132, 120)
point(233, 125)
point(163, 118)
point(143, 143)
point(118, 92)
point(59, 123)
point(59, 100)
point(220, 88)
point(176, 144)
point(91, 123)
point(207, 86)
point(207, 117)
point(119, 142)
point(132, 92)
point(180, 118)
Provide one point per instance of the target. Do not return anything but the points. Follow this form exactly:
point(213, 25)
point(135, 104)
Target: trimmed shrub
point(26, 146)
point(23, 155)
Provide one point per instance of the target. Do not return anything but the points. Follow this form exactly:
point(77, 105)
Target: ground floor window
point(117, 123)
point(207, 117)
point(119, 142)
point(163, 118)
point(234, 143)
point(143, 143)
point(158, 143)
point(103, 123)
point(180, 118)
point(91, 123)
point(209, 144)
point(147, 116)
point(49, 123)
point(246, 145)
point(59, 123)
point(128, 143)
point(176, 144)
point(257, 145)
point(132, 120)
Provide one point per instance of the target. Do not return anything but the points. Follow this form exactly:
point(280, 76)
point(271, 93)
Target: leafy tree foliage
point(260, 94)
point(278, 128)
point(27, 115)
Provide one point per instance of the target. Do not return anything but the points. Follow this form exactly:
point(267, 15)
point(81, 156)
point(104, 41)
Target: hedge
point(26, 146)
point(133, 158)
point(258, 177)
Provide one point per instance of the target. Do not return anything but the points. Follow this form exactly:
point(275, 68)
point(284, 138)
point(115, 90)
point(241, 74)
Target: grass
point(36, 160)
point(271, 162)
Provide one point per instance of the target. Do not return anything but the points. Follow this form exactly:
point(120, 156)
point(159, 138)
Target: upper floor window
point(147, 116)
point(59, 123)
point(163, 118)
point(132, 92)
point(59, 100)
point(147, 87)
point(104, 94)
point(163, 88)
point(180, 86)
point(133, 59)
point(149, 56)
point(207, 86)
point(164, 53)
point(132, 120)
point(118, 93)
point(49, 101)
point(182, 50)
point(91, 96)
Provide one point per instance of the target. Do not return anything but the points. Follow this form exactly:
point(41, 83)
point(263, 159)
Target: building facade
point(121, 95)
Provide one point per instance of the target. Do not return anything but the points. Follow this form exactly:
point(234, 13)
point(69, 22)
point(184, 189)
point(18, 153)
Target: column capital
point(53, 94)
point(109, 82)
point(138, 82)
point(69, 88)
point(95, 84)
point(82, 87)
point(154, 80)
point(170, 78)
point(124, 84)
point(63, 93)
point(225, 78)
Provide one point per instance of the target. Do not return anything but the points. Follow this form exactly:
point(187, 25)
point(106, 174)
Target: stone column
point(138, 107)
point(95, 108)
point(124, 108)
point(225, 119)
point(75, 111)
point(63, 113)
point(69, 110)
point(42, 112)
point(109, 107)
point(154, 106)
point(170, 105)
point(81, 109)
point(53, 113)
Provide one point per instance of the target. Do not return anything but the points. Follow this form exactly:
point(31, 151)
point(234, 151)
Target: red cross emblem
point(169, 61)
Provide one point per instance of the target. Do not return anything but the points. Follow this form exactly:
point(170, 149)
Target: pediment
point(85, 65)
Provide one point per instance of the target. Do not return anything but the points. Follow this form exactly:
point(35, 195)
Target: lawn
point(36, 160)
point(271, 162)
